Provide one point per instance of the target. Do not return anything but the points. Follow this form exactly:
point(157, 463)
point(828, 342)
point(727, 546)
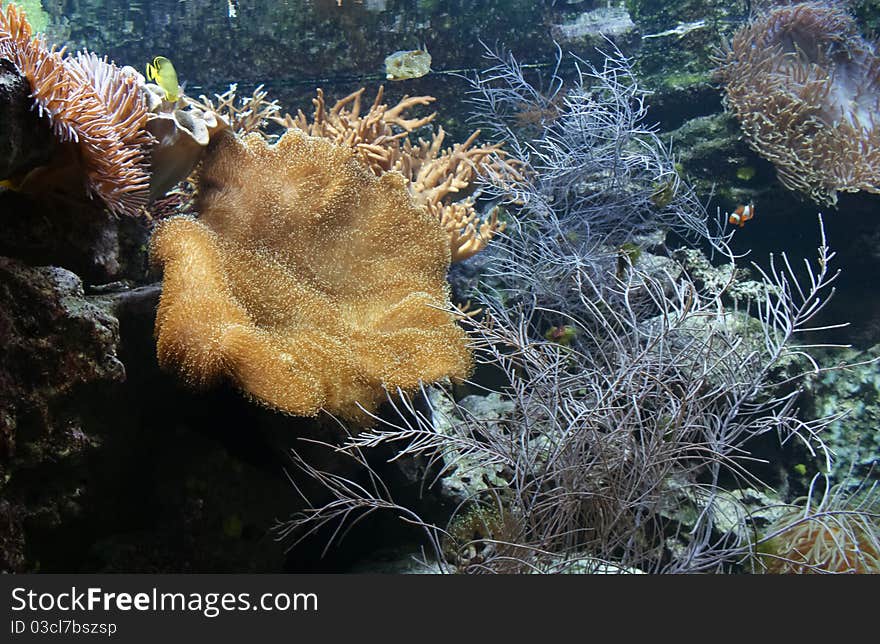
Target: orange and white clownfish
point(742, 214)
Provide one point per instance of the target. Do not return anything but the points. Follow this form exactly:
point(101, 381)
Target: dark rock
point(57, 354)
point(51, 227)
point(145, 474)
point(25, 138)
point(11, 539)
point(81, 237)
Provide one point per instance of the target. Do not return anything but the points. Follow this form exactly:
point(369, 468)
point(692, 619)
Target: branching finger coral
point(436, 175)
point(244, 116)
point(308, 281)
point(805, 87)
point(91, 103)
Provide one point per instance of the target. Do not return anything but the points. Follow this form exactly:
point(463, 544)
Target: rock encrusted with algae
point(469, 476)
point(854, 438)
point(57, 349)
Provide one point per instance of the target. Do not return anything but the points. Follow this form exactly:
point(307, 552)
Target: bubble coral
point(805, 87)
point(307, 281)
point(91, 103)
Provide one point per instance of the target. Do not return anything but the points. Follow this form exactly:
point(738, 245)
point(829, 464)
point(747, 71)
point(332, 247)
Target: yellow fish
point(161, 72)
point(407, 64)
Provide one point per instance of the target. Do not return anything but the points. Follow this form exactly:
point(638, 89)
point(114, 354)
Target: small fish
point(664, 192)
point(12, 183)
point(742, 214)
point(563, 335)
point(161, 72)
point(627, 255)
point(745, 173)
point(401, 65)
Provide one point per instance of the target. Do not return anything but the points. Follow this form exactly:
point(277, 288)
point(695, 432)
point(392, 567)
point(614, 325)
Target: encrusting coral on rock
point(307, 280)
point(94, 107)
point(805, 87)
point(435, 174)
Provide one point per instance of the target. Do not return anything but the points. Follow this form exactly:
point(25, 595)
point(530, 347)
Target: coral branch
point(435, 174)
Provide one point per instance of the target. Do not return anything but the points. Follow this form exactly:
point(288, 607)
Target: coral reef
point(630, 396)
point(435, 174)
point(91, 105)
point(632, 437)
point(620, 447)
point(307, 281)
point(805, 87)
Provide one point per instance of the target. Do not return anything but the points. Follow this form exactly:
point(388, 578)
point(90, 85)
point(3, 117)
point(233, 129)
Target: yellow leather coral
point(307, 280)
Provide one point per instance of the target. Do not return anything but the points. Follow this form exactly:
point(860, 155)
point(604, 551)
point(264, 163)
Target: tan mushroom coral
point(182, 130)
point(92, 105)
point(308, 281)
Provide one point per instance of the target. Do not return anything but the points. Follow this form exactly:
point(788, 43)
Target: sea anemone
point(91, 103)
point(805, 87)
point(838, 534)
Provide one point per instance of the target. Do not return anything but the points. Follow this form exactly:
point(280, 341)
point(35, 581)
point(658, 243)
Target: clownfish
point(742, 214)
point(162, 72)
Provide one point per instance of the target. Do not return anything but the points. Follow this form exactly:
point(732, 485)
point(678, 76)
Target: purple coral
point(805, 86)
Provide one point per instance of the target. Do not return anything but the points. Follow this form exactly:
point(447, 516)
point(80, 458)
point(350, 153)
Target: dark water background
point(294, 46)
